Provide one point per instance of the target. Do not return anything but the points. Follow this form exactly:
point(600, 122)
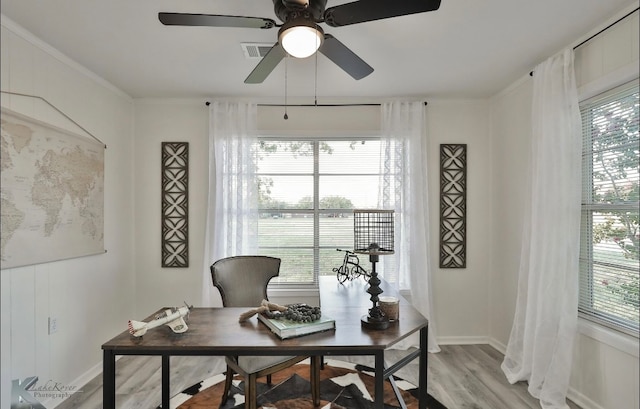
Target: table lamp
point(373, 235)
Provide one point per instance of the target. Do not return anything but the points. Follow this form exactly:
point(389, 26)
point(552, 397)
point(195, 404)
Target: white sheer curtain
point(404, 188)
point(232, 207)
point(541, 343)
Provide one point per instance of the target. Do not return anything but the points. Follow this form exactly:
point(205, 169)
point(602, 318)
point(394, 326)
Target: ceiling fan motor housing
point(290, 9)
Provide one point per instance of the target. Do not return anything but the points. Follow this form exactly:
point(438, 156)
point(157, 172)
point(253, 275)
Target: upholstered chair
point(242, 282)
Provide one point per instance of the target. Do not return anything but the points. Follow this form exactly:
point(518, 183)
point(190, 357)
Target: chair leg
point(316, 363)
point(269, 379)
point(227, 386)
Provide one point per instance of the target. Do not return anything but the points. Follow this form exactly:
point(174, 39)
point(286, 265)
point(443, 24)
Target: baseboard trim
point(581, 400)
point(462, 340)
point(502, 348)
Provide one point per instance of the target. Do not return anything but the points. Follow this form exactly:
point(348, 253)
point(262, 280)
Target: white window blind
point(308, 188)
point(609, 267)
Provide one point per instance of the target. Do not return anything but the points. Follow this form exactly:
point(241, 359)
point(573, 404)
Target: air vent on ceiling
point(255, 50)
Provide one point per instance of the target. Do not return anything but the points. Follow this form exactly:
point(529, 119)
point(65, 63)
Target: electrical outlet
point(53, 325)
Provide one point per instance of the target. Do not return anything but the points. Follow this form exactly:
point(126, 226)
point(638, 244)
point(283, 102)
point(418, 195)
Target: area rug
point(342, 386)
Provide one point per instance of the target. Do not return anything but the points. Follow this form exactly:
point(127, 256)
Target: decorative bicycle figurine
point(350, 268)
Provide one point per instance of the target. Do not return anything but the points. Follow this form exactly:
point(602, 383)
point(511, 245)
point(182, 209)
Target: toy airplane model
point(173, 318)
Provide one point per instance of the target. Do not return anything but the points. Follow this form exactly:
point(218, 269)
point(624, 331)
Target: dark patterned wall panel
point(453, 206)
point(175, 204)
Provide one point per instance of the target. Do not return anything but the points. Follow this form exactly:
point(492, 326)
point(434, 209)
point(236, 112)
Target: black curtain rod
point(314, 105)
point(607, 27)
point(601, 31)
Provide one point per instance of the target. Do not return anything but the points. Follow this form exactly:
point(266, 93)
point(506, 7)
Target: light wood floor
point(460, 377)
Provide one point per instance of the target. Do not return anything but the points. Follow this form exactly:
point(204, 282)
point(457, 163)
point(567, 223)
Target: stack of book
point(284, 328)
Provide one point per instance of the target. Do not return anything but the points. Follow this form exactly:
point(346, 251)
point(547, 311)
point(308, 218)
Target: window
point(609, 266)
point(307, 191)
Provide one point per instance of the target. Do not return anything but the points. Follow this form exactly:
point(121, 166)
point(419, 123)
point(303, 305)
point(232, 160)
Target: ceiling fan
point(300, 35)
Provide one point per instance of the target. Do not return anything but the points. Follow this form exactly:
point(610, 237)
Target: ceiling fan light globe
point(301, 41)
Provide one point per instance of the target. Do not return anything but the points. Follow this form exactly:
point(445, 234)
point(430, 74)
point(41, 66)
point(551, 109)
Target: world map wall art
point(51, 193)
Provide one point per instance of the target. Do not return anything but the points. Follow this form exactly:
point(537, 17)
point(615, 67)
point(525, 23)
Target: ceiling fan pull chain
point(315, 91)
point(286, 64)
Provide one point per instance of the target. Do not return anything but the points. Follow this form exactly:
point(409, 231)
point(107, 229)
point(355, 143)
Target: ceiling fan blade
point(266, 65)
point(344, 58)
point(213, 20)
point(370, 10)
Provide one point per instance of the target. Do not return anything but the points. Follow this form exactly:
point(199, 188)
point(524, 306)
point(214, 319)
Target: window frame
point(586, 296)
point(315, 211)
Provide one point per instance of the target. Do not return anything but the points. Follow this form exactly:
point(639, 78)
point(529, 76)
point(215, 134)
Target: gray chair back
point(242, 280)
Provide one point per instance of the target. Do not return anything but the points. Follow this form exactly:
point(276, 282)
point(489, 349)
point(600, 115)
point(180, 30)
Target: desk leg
point(316, 363)
point(423, 367)
point(379, 381)
point(108, 379)
point(165, 381)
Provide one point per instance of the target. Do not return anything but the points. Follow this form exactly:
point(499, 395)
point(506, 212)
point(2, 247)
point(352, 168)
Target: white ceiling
point(467, 48)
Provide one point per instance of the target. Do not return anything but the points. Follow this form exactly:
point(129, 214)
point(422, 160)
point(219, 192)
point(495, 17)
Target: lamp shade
point(300, 38)
point(373, 231)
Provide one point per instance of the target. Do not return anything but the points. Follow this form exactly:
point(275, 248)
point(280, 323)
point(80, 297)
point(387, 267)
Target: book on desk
point(284, 328)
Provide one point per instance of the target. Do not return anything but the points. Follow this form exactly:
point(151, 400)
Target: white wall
point(89, 296)
point(160, 121)
point(605, 367)
point(510, 134)
point(460, 295)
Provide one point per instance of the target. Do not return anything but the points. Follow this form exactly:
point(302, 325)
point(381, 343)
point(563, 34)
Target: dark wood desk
point(216, 331)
